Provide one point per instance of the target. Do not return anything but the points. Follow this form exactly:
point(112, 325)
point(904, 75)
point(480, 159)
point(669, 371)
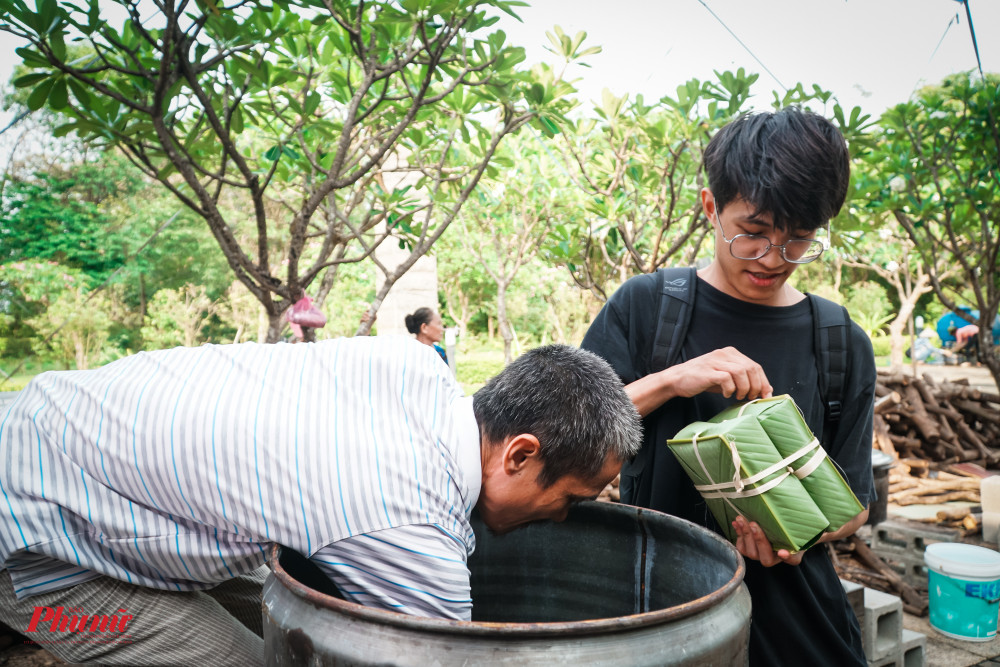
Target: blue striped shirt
point(176, 469)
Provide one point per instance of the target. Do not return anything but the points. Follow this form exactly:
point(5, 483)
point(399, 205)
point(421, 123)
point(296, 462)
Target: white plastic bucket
point(963, 583)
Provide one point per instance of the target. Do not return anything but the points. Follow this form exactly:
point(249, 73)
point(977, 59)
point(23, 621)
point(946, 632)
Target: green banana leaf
point(775, 499)
point(784, 425)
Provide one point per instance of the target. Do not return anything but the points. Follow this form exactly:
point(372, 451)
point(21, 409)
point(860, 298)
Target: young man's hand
point(753, 544)
point(727, 371)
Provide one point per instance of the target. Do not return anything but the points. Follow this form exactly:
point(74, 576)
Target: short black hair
point(793, 164)
point(568, 398)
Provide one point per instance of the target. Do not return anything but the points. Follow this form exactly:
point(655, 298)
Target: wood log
point(881, 437)
point(907, 593)
point(918, 415)
point(887, 402)
point(932, 499)
point(982, 413)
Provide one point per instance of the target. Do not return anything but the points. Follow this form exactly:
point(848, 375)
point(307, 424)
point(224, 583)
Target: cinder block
point(882, 630)
point(901, 545)
point(890, 661)
point(989, 491)
point(914, 649)
point(856, 597)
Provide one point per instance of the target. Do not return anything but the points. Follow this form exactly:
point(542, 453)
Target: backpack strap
point(831, 343)
point(677, 287)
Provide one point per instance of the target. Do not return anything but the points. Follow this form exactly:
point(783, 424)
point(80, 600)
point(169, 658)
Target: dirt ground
point(15, 653)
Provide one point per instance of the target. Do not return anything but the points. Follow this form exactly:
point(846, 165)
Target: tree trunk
point(504, 325)
point(142, 297)
point(275, 324)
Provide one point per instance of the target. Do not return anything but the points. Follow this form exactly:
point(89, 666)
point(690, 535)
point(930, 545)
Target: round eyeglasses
point(754, 246)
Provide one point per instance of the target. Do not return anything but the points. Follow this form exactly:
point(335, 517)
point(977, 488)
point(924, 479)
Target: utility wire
point(975, 44)
point(953, 21)
point(752, 55)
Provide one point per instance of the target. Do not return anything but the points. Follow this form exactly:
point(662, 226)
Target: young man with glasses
point(775, 181)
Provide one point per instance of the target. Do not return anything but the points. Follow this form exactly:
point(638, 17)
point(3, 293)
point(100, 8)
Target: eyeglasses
point(754, 246)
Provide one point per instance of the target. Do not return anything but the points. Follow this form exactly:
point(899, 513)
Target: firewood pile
point(945, 422)
point(944, 437)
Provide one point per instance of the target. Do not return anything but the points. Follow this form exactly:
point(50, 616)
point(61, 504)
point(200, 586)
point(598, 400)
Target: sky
point(871, 53)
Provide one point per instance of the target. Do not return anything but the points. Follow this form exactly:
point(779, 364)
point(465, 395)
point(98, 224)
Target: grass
point(24, 374)
point(476, 361)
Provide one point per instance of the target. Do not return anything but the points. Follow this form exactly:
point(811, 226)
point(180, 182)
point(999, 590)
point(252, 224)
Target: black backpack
point(831, 337)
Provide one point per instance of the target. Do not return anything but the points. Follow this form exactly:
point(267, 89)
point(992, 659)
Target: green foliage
point(936, 171)
point(323, 107)
point(61, 216)
point(177, 317)
point(881, 345)
point(70, 323)
point(869, 307)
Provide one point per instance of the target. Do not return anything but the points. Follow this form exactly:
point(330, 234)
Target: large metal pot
point(612, 585)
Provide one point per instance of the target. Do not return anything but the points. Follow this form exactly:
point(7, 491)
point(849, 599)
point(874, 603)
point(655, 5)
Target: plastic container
point(963, 584)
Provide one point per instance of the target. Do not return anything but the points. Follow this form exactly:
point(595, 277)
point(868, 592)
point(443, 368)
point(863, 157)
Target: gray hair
point(571, 400)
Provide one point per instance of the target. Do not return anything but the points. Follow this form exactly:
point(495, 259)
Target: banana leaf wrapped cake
point(760, 460)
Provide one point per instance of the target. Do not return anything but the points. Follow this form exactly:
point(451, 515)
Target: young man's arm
point(727, 371)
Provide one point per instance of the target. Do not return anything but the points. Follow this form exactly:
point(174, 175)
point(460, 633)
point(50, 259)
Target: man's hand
point(727, 371)
point(753, 544)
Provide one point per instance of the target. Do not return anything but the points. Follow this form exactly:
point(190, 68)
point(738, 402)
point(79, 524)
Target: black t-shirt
point(800, 613)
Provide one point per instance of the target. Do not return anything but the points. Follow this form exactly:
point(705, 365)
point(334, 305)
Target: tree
point(889, 253)
point(639, 165)
point(508, 221)
point(70, 321)
point(308, 111)
point(938, 168)
point(177, 317)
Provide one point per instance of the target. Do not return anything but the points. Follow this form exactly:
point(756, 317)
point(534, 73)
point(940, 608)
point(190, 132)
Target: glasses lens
point(803, 251)
point(749, 246)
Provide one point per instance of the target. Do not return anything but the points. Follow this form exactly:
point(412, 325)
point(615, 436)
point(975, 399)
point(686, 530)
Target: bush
point(881, 345)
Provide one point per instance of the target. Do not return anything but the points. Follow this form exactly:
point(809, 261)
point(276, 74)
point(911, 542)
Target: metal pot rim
point(587, 627)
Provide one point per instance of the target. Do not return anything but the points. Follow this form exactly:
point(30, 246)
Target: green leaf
point(58, 96)
point(273, 153)
point(79, 92)
point(36, 100)
point(32, 58)
point(29, 79)
point(236, 123)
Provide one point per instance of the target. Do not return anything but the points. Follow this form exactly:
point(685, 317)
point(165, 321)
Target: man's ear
point(708, 205)
point(520, 452)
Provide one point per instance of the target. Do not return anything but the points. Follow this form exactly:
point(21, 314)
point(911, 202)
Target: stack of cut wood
point(920, 482)
point(855, 561)
point(946, 422)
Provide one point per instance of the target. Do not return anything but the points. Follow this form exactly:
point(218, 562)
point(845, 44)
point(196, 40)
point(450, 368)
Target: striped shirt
point(176, 469)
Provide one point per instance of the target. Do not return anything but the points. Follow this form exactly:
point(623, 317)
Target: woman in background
point(426, 324)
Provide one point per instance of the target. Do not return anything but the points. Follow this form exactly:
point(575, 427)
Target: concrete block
point(882, 630)
point(901, 545)
point(914, 645)
point(991, 527)
point(889, 661)
point(989, 491)
point(856, 597)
